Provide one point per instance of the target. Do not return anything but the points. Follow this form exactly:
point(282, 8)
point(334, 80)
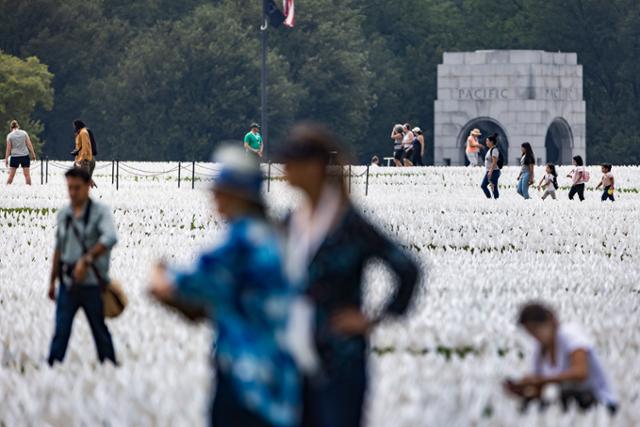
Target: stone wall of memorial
point(531, 96)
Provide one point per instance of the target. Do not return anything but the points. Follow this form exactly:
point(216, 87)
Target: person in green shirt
point(253, 140)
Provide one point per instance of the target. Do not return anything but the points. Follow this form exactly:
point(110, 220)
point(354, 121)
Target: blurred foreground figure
point(242, 285)
point(82, 224)
point(563, 356)
point(329, 244)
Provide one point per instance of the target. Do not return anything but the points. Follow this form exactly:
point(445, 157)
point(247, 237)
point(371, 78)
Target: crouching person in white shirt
point(563, 356)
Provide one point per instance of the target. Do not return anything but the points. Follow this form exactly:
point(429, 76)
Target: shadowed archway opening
point(559, 142)
point(488, 127)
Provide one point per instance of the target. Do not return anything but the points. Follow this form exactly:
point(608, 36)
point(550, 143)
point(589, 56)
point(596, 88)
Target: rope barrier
point(55, 165)
point(191, 170)
point(144, 174)
point(108, 165)
point(206, 168)
point(149, 172)
point(278, 169)
point(353, 175)
point(204, 175)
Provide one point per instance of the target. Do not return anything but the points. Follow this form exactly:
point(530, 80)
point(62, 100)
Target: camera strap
point(81, 240)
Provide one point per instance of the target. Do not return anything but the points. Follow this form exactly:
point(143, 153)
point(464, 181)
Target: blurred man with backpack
point(85, 236)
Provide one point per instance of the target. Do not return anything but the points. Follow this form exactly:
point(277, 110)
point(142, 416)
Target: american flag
point(289, 12)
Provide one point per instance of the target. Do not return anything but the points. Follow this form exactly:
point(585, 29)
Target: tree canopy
point(167, 80)
point(24, 86)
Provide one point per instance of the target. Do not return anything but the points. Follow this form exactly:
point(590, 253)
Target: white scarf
point(308, 229)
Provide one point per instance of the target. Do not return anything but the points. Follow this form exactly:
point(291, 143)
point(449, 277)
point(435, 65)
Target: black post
point(349, 179)
point(41, 172)
point(117, 175)
point(179, 170)
point(113, 167)
point(264, 119)
point(193, 175)
point(366, 188)
point(47, 171)
point(269, 177)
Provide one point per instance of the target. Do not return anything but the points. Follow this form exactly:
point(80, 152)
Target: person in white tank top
point(19, 153)
point(407, 144)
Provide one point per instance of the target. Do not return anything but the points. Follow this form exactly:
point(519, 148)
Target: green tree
point(78, 43)
point(359, 65)
point(184, 86)
point(24, 86)
point(605, 35)
point(406, 42)
point(329, 57)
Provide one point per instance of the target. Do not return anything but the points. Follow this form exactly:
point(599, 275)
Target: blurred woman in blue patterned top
point(242, 285)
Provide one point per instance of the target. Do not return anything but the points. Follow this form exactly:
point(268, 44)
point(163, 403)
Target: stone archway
point(559, 142)
point(488, 127)
point(522, 89)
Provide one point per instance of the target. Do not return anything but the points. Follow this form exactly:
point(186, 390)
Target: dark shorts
point(17, 161)
point(398, 154)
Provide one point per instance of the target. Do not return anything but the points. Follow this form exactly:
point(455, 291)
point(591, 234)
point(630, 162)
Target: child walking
point(607, 183)
point(579, 177)
point(549, 181)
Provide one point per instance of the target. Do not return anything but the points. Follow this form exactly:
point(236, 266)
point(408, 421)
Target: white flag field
point(442, 365)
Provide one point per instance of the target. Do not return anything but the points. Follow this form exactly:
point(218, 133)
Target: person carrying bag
point(85, 236)
point(114, 299)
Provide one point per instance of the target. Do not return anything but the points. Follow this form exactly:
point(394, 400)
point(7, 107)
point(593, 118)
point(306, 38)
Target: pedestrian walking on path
point(493, 164)
point(607, 183)
point(83, 152)
point(579, 177)
point(397, 136)
point(83, 223)
point(473, 147)
point(526, 176)
point(418, 147)
point(407, 144)
point(20, 151)
point(549, 181)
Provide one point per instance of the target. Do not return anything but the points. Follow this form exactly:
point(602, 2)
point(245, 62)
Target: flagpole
point(264, 120)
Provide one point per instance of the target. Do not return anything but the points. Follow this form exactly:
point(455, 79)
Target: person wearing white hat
point(473, 147)
point(418, 147)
